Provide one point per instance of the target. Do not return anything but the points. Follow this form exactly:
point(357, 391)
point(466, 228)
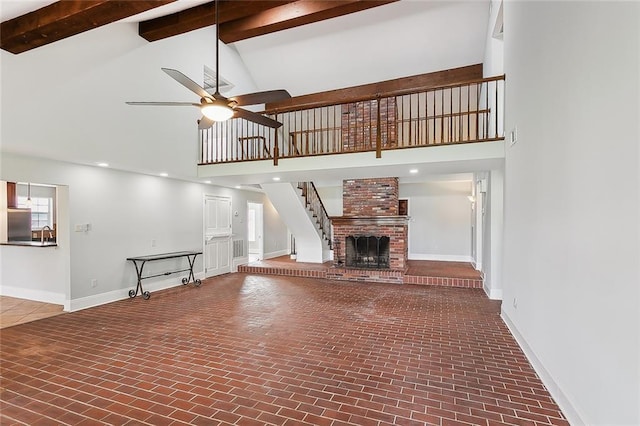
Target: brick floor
point(255, 350)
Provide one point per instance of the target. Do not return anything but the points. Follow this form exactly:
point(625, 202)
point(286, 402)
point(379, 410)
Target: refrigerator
point(18, 224)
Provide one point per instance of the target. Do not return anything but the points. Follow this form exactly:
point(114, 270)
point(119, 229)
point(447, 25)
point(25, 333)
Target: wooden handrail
point(303, 107)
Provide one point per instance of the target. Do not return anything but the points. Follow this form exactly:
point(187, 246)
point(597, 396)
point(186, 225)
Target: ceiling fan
point(215, 107)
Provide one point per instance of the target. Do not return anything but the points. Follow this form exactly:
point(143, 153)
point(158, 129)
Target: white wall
point(130, 215)
point(493, 235)
point(571, 238)
point(493, 63)
point(331, 197)
point(286, 197)
point(440, 224)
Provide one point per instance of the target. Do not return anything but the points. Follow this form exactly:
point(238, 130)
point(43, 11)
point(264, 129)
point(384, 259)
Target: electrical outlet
point(153, 242)
point(94, 282)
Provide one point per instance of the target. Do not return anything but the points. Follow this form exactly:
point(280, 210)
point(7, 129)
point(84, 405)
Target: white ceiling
point(66, 100)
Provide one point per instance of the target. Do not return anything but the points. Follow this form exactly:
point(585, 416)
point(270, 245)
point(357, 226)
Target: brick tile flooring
point(255, 350)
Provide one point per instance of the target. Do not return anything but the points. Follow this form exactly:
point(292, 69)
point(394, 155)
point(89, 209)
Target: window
point(41, 211)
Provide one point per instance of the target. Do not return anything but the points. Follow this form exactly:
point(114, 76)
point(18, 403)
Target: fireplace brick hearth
point(370, 208)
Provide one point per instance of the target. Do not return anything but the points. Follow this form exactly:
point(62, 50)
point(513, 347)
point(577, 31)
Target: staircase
point(300, 208)
point(314, 205)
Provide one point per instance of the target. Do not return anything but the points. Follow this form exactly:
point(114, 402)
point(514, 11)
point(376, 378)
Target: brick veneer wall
point(370, 197)
point(360, 124)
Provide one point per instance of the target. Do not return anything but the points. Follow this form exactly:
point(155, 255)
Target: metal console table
point(140, 261)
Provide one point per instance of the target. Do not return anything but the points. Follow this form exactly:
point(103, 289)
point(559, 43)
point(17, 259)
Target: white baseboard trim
point(123, 293)
point(492, 293)
point(278, 253)
point(440, 257)
point(568, 409)
point(238, 261)
point(36, 295)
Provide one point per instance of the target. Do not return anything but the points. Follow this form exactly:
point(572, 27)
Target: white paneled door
point(217, 235)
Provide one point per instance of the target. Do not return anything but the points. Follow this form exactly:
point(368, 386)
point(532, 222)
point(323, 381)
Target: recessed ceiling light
point(164, 174)
point(103, 164)
point(207, 181)
point(413, 171)
point(238, 187)
point(276, 178)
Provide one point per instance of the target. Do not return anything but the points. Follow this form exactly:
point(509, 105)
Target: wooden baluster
point(276, 146)
point(378, 131)
point(495, 112)
point(486, 115)
point(451, 115)
point(478, 91)
point(468, 112)
point(442, 114)
point(459, 121)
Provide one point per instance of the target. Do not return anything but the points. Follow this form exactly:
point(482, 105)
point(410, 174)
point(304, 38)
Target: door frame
point(259, 226)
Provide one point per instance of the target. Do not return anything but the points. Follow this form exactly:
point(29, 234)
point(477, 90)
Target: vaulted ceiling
point(66, 99)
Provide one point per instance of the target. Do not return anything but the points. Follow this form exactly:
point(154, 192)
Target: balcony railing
point(454, 114)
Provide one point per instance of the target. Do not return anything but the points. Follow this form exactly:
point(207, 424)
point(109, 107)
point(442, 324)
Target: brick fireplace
point(370, 238)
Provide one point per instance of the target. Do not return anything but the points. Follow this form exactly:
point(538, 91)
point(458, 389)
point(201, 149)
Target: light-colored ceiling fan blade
point(261, 97)
point(187, 82)
point(256, 118)
point(164, 103)
point(205, 123)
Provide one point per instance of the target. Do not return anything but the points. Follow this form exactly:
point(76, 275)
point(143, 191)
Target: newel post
point(276, 148)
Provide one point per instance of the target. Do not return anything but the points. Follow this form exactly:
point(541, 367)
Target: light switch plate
point(513, 136)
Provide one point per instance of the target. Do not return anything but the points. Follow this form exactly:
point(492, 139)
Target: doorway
point(217, 235)
point(255, 230)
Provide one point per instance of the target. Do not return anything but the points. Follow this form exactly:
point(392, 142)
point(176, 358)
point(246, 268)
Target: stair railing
point(315, 206)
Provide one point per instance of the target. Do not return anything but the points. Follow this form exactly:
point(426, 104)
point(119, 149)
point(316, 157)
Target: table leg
point(133, 293)
point(192, 260)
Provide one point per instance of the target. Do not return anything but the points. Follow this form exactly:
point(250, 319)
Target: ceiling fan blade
point(256, 118)
point(187, 82)
point(163, 103)
point(261, 97)
point(204, 123)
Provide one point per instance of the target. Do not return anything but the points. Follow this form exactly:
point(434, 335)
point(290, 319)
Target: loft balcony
point(455, 114)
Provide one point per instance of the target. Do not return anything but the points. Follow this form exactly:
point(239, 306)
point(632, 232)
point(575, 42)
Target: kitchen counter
point(29, 244)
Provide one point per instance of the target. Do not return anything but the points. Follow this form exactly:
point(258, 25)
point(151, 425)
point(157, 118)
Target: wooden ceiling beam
point(203, 16)
point(67, 18)
point(293, 14)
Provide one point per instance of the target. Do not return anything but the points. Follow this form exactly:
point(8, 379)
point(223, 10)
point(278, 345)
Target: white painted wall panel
point(571, 238)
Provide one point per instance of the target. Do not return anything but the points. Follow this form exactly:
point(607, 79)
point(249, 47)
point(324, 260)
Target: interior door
point(217, 235)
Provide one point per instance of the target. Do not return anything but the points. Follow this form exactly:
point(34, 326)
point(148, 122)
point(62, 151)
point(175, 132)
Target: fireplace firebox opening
point(367, 251)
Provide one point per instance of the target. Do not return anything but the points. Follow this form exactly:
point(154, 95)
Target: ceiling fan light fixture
point(217, 111)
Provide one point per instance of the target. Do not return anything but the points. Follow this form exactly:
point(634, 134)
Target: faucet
point(42, 233)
